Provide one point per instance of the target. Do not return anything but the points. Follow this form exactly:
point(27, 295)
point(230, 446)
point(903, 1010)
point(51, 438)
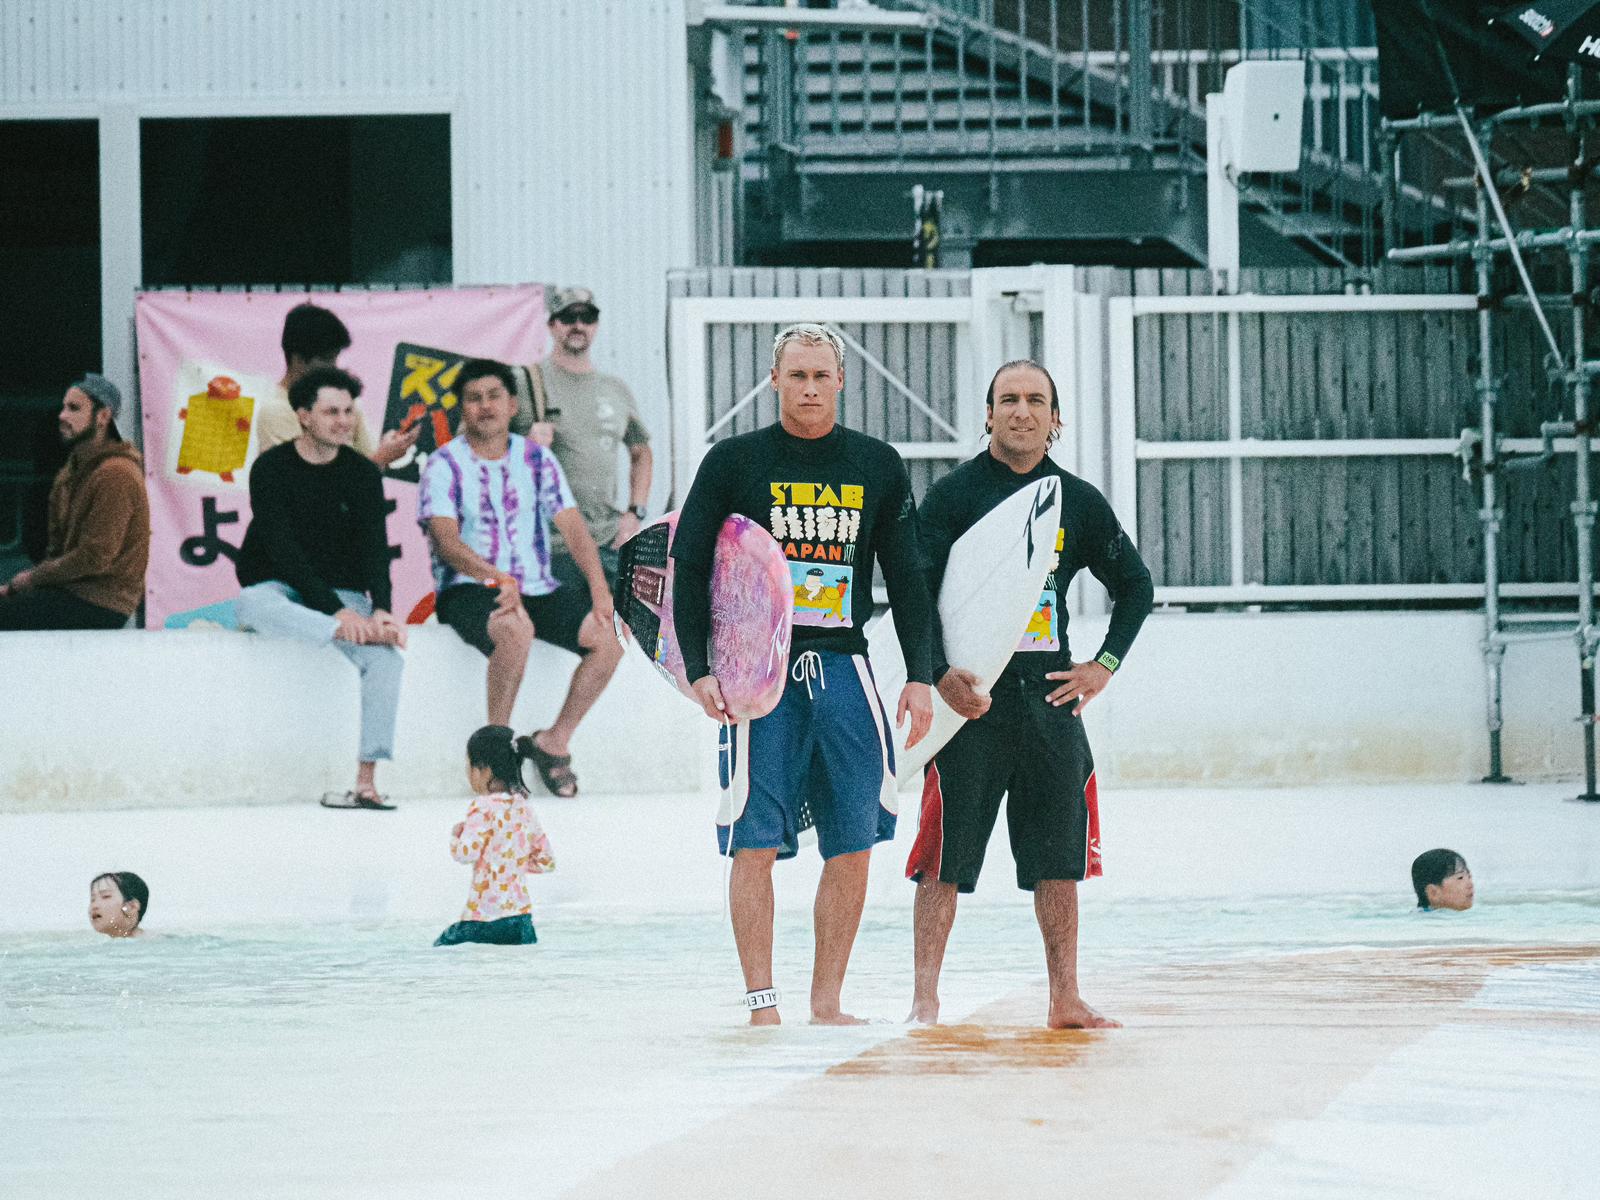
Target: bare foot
point(924, 1012)
point(836, 1018)
point(1075, 1014)
point(765, 1016)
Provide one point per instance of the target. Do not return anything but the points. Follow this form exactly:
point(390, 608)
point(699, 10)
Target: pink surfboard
point(752, 609)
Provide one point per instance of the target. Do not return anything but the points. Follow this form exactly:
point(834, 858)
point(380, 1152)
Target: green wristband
point(1108, 660)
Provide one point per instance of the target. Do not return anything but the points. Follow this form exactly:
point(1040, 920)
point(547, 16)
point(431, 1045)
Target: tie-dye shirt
point(505, 507)
point(502, 838)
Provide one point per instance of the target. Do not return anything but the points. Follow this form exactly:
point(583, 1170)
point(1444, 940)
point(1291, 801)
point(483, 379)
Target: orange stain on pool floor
point(1213, 1058)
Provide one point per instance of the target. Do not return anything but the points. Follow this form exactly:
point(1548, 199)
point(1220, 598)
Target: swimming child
point(503, 840)
point(117, 904)
point(1441, 880)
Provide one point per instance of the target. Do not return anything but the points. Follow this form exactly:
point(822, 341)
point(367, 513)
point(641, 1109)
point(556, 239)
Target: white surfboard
point(992, 586)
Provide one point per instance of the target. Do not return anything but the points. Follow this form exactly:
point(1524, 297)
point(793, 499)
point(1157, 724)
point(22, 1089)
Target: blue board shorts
point(823, 757)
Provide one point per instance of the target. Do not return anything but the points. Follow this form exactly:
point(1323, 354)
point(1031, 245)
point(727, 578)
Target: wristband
point(637, 510)
point(1108, 660)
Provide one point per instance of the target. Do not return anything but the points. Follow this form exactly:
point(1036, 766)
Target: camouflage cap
point(561, 299)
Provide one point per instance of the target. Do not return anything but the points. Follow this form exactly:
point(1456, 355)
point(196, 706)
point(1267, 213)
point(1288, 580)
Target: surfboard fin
point(642, 581)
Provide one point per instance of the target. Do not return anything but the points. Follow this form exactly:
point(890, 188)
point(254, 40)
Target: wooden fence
point(1330, 520)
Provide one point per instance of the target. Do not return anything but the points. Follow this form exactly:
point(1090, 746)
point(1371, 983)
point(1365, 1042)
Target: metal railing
point(1014, 83)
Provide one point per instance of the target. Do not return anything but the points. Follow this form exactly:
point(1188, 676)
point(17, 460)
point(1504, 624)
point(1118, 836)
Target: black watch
point(637, 510)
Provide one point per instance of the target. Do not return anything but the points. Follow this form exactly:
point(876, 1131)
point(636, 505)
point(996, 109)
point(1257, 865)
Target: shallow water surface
point(353, 1059)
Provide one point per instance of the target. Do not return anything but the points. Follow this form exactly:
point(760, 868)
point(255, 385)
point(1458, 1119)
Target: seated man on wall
point(489, 502)
point(315, 561)
point(92, 576)
point(314, 337)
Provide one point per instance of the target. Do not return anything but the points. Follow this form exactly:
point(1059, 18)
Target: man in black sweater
point(1023, 738)
point(315, 561)
point(835, 500)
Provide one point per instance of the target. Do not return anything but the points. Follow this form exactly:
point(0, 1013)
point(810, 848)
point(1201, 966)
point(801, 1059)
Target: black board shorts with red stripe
point(1034, 754)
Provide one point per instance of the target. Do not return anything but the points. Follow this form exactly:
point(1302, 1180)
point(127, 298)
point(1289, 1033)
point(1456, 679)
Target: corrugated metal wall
point(571, 137)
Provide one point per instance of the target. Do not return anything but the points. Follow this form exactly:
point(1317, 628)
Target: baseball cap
point(562, 299)
point(102, 391)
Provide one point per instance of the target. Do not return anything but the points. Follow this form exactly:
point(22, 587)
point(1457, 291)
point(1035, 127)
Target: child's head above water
point(1442, 880)
point(117, 903)
point(493, 764)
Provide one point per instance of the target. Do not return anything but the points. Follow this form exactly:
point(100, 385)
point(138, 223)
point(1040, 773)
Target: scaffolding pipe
point(1588, 110)
point(1583, 508)
point(1573, 372)
point(1494, 649)
point(1565, 109)
point(1528, 239)
point(1507, 176)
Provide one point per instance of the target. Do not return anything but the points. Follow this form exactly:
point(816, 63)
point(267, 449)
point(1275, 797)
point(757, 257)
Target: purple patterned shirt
point(505, 507)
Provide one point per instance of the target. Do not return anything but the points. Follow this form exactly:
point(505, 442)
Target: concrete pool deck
point(1215, 1059)
point(1293, 1029)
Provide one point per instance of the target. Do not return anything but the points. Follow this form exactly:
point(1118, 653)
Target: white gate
point(916, 367)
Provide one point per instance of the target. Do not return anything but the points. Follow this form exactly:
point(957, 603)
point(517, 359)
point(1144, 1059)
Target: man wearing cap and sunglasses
point(584, 416)
point(92, 576)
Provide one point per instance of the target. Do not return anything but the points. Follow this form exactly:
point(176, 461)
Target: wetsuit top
point(834, 504)
point(1090, 536)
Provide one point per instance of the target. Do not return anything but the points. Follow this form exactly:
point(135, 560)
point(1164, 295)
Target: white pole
point(121, 256)
point(1222, 203)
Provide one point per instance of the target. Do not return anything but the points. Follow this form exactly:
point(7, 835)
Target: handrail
point(966, 85)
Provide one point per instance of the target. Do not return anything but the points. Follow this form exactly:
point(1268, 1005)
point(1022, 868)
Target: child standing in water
point(503, 840)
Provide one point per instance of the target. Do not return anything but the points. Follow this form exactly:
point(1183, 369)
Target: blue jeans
point(274, 609)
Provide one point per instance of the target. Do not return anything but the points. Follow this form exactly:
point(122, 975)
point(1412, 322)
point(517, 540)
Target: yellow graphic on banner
point(431, 380)
point(216, 429)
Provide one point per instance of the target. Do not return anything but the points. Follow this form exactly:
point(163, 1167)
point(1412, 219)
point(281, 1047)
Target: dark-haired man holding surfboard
point(1023, 737)
point(835, 500)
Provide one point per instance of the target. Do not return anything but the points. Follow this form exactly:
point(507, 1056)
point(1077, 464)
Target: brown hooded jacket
point(99, 527)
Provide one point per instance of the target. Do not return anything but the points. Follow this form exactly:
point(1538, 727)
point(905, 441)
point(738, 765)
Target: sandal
point(353, 799)
point(555, 770)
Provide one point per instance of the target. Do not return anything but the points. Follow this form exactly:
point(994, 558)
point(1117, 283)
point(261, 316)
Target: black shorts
point(1038, 756)
point(556, 617)
point(567, 574)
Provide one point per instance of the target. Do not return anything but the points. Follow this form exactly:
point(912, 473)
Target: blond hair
point(808, 334)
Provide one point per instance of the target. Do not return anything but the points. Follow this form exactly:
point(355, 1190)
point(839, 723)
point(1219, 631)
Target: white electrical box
point(1262, 102)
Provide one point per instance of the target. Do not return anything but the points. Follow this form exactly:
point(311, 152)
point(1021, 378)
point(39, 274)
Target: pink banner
point(208, 360)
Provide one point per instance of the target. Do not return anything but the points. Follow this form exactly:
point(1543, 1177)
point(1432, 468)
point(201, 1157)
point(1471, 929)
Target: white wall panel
point(571, 132)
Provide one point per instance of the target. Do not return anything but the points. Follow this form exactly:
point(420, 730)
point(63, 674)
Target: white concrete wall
point(1290, 698)
point(134, 719)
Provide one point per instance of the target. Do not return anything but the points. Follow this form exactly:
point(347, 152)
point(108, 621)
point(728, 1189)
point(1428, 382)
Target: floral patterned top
point(502, 838)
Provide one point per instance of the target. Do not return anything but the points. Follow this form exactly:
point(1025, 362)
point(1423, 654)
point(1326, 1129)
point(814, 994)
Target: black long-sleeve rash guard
point(834, 504)
point(1090, 536)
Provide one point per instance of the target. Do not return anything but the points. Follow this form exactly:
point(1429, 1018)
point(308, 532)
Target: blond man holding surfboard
point(835, 500)
point(1023, 738)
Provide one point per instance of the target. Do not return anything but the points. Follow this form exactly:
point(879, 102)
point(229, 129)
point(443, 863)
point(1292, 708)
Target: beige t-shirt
point(594, 414)
point(276, 422)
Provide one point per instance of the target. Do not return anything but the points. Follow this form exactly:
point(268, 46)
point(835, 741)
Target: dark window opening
point(50, 277)
point(296, 200)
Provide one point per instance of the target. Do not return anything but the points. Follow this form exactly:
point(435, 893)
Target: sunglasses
point(579, 316)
